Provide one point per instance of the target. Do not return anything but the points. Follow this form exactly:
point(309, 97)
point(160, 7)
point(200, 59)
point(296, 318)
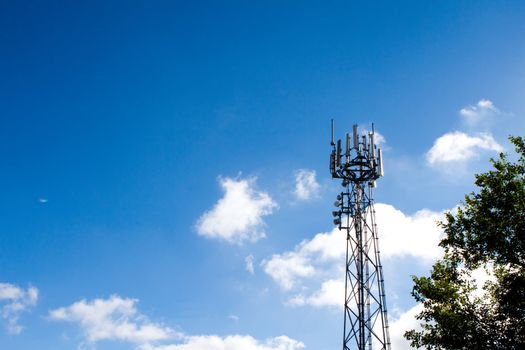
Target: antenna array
point(359, 166)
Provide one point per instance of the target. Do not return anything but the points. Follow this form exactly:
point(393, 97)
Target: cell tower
point(365, 316)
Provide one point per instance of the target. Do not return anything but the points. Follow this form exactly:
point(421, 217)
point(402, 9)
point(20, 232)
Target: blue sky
point(153, 151)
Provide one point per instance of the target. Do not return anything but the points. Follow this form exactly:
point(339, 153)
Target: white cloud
point(483, 111)
point(320, 259)
point(478, 278)
point(238, 215)
point(289, 268)
point(249, 264)
point(233, 317)
point(455, 147)
point(286, 268)
point(114, 318)
point(15, 300)
point(331, 294)
point(306, 186)
point(117, 319)
point(415, 235)
point(481, 276)
point(232, 342)
point(379, 139)
point(405, 322)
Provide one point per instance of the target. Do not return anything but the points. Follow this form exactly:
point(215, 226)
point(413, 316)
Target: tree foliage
point(487, 232)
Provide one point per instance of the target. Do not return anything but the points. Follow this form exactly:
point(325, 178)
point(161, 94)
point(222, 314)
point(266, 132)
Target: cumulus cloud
point(321, 258)
point(480, 277)
point(286, 268)
point(482, 112)
point(415, 235)
point(457, 147)
point(13, 301)
point(331, 294)
point(406, 321)
point(306, 186)
point(238, 215)
point(115, 318)
point(289, 268)
point(232, 342)
point(249, 264)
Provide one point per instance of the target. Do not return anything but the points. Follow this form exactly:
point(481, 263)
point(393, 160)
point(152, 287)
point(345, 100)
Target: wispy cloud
point(233, 317)
point(238, 215)
point(482, 112)
point(249, 264)
point(306, 185)
point(379, 139)
point(232, 342)
point(13, 301)
point(458, 147)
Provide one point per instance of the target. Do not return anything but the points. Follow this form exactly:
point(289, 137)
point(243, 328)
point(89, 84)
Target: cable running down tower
point(359, 165)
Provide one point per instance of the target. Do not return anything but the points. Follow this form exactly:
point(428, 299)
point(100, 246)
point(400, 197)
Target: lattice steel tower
point(358, 166)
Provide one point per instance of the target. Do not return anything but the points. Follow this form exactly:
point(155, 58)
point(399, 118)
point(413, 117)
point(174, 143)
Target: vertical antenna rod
point(332, 139)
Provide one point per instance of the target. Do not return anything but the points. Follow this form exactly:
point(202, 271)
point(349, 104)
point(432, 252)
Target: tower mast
point(358, 166)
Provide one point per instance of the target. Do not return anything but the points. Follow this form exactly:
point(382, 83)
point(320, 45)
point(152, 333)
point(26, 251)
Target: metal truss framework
point(365, 316)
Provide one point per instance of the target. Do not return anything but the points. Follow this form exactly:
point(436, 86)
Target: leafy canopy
point(487, 232)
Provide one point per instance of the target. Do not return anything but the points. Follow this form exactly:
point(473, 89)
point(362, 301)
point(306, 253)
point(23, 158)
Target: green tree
point(487, 231)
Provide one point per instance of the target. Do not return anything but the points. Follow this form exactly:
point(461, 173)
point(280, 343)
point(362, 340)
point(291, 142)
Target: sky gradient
point(164, 165)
